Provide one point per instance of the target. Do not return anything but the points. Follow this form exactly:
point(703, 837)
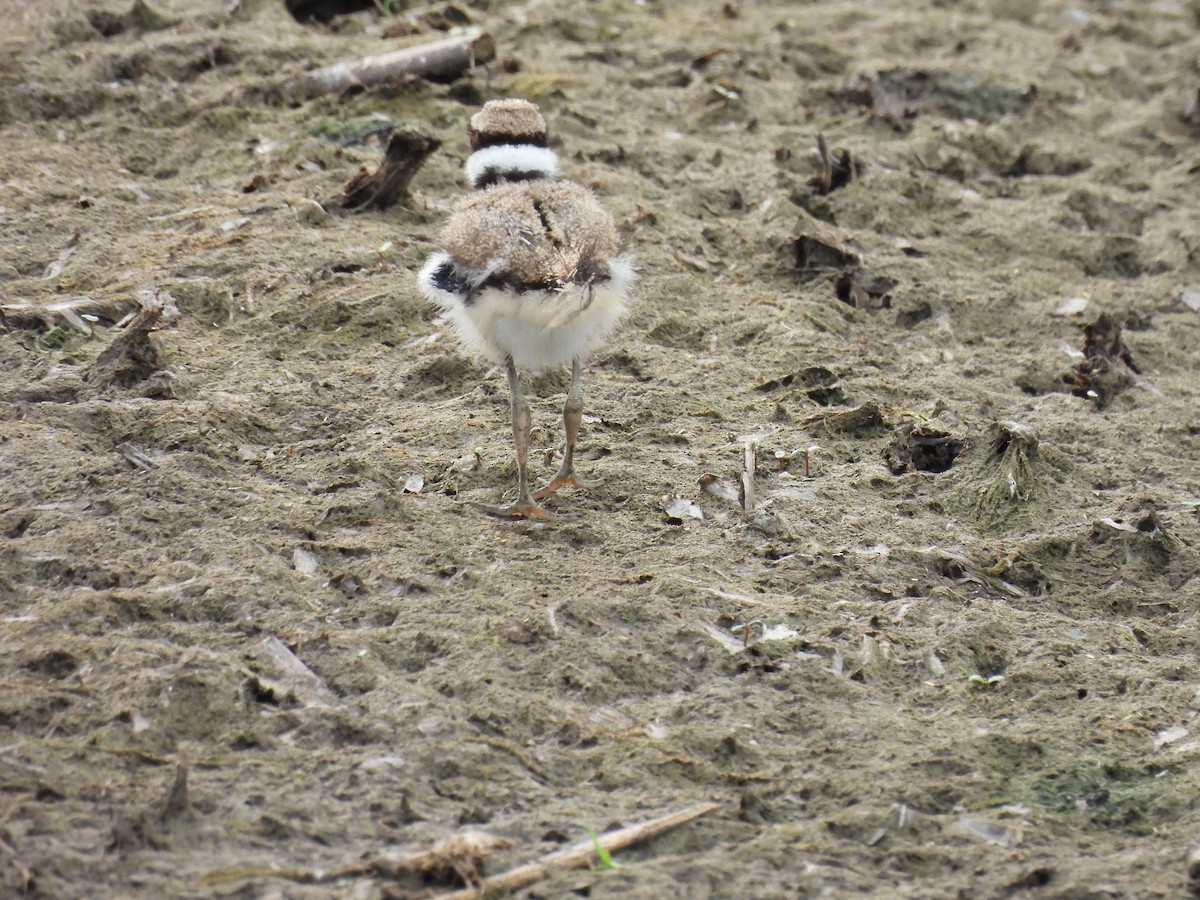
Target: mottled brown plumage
point(541, 233)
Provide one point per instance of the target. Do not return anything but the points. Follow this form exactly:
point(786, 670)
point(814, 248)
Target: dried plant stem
point(825, 179)
point(22, 871)
point(749, 464)
point(578, 855)
point(513, 750)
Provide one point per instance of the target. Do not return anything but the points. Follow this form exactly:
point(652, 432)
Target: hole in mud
point(261, 693)
point(19, 527)
point(921, 449)
point(678, 335)
point(449, 371)
point(47, 793)
point(1035, 879)
point(1149, 524)
point(814, 254)
point(817, 383)
point(55, 664)
point(915, 315)
point(864, 291)
point(324, 10)
point(247, 742)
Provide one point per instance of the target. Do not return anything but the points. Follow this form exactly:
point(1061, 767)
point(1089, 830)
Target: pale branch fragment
point(578, 855)
point(295, 677)
point(136, 456)
point(407, 151)
point(749, 465)
point(445, 58)
point(56, 268)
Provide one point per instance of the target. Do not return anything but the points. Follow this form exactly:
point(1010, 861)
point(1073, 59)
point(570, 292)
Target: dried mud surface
point(957, 659)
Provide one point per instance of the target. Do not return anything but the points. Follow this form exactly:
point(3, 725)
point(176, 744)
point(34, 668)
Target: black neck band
point(482, 140)
point(489, 177)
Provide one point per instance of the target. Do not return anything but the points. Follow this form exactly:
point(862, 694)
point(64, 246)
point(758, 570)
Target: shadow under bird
point(531, 273)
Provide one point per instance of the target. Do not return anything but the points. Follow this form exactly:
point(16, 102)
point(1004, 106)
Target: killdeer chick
point(531, 274)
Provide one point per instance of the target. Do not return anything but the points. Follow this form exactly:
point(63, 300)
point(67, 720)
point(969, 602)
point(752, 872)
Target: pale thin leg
point(522, 425)
point(572, 417)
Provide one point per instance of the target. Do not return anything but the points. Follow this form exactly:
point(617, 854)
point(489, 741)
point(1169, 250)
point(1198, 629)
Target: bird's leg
point(522, 425)
point(572, 417)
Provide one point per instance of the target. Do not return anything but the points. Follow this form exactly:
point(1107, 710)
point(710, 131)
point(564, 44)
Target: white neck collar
point(515, 158)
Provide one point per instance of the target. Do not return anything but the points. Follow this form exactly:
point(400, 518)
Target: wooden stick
point(296, 678)
point(578, 855)
point(749, 465)
point(444, 58)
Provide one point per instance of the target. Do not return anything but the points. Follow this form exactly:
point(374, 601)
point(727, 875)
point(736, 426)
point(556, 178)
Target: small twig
point(514, 751)
point(177, 804)
point(26, 875)
point(717, 592)
point(578, 855)
point(136, 456)
point(56, 268)
point(837, 169)
point(444, 58)
point(749, 465)
point(825, 182)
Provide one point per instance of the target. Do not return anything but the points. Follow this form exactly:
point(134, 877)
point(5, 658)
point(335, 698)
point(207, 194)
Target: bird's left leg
point(526, 507)
point(572, 417)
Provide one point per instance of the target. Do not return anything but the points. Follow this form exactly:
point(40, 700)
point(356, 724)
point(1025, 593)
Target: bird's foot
point(568, 480)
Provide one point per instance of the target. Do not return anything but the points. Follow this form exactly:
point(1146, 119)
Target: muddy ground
point(956, 658)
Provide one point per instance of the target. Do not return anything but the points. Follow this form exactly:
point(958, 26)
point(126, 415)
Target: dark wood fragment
point(406, 152)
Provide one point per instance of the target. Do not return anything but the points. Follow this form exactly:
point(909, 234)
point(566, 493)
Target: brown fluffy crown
point(507, 122)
